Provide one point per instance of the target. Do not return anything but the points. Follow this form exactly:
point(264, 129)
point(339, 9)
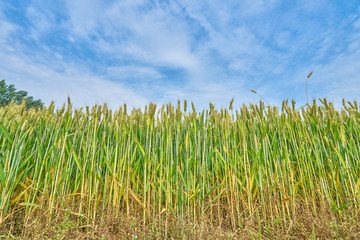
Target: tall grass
point(169, 162)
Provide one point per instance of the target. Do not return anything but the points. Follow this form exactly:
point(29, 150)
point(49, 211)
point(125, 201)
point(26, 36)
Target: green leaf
point(30, 205)
point(6, 133)
point(2, 174)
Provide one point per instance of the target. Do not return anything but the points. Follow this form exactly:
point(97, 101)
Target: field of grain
point(170, 172)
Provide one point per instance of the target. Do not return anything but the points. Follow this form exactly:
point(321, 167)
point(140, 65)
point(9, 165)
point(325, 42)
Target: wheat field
point(256, 167)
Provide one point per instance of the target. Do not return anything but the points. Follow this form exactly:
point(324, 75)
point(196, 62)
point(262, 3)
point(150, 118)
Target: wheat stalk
point(261, 97)
point(307, 99)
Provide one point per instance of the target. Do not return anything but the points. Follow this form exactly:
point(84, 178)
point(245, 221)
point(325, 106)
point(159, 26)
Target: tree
point(9, 93)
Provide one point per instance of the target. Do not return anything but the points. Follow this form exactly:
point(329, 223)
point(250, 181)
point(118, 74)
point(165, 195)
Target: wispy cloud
point(142, 31)
point(139, 51)
point(41, 22)
point(40, 78)
point(83, 88)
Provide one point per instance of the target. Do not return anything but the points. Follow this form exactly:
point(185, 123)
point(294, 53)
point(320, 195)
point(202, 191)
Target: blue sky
point(137, 51)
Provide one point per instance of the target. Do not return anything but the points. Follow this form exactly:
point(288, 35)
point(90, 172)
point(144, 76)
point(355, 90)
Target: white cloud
point(340, 78)
point(84, 16)
point(41, 22)
point(83, 88)
point(6, 28)
point(124, 28)
point(161, 35)
point(241, 64)
point(252, 7)
point(133, 72)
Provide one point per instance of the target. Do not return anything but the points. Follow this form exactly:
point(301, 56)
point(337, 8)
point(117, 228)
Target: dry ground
point(108, 226)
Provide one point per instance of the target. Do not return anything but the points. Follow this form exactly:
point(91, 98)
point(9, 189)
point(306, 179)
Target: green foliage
point(8, 93)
